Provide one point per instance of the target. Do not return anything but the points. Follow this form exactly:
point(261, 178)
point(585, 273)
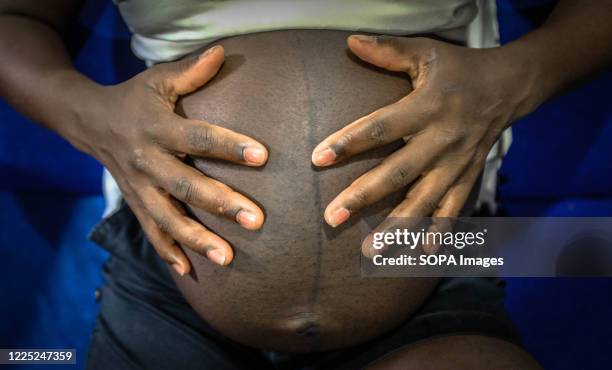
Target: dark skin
point(291, 283)
point(462, 101)
point(131, 126)
point(465, 114)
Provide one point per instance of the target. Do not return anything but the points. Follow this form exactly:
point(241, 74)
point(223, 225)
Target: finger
point(439, 226)
point(189, 233)
point(454, 200)
point(166, 248)
point(396, 172)
point(421, 201)
point(189, 186)
point(397, 54)
point(424, 199)
point(187, 75)
point(388, 124)
point(452, 203)
point(202, 139)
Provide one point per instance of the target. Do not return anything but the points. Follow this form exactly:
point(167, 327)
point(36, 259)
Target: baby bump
point(295, 285)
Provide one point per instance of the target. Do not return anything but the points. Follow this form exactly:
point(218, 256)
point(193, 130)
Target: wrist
point(77, 99)
point(522, 76)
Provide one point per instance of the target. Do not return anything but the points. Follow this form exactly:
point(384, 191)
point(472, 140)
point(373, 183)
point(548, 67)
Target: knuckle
point(378, 131)
point(149, 131)
point(202, 139)
point(399, 177)
point(185, 190)
point(361, 197)
point(138, 160)
point(428, 206)
point(192, 241)
point(226, 201)
point(223, 205)
point(163, 223)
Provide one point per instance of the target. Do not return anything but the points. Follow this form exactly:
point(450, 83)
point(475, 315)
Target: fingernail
point(364, 38)
point(217, 256)
point(246, 218)
point(254, 155)
point(178, 268)
point(367, 247)
point(323, 157)
point(338, 217)
point(209, 51)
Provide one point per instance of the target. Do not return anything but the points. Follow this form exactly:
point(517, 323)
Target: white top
point(165, 30)
point(169, 29)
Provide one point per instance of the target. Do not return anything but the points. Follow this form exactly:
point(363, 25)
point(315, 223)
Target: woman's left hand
point(462, 101)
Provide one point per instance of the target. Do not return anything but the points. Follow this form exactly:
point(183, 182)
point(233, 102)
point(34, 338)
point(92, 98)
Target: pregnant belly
point(295, 285)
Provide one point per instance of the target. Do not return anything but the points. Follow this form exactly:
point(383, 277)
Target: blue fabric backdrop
point(560, 164)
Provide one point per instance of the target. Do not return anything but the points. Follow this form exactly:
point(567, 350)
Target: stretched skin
point(295, 285)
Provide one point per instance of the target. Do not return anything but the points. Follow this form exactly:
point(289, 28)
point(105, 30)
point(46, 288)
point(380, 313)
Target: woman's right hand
point(133, 130)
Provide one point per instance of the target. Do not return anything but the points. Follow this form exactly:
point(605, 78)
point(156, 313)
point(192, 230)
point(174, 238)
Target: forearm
point(574, 43)
point(37, 77)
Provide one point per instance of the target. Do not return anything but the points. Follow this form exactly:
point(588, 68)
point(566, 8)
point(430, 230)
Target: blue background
point(50, 196)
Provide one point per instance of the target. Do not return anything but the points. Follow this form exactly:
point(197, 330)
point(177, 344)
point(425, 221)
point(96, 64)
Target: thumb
point(187, 75)
point(398, 54)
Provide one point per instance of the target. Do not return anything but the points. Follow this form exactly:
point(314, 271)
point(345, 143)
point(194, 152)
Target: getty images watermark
point(434, 239)
point(491, 246)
